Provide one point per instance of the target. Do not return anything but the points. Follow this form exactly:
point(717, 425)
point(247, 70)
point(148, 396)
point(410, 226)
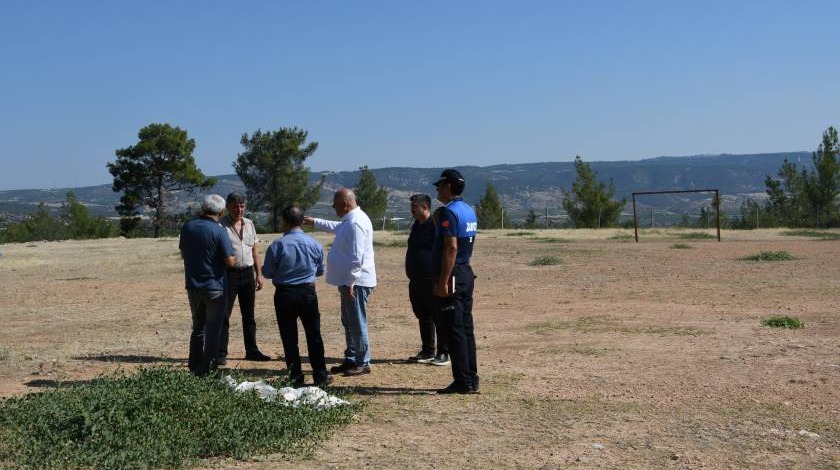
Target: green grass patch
point(391, 244)
point(552, 240)
point(783, 321)
point(769, 256)
point(695, 236)
point(154, 418)
point(624, 237)
point(545, 261)
point(519, 234)
point(605, 324)
point(813, 234)
point(681, 246)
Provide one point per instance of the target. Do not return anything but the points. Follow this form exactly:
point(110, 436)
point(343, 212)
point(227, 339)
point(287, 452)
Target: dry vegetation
point(623, 355)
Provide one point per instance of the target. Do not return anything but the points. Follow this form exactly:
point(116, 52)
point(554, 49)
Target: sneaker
point(422, 358)
point(342, 367)
point(354, 371)
point(440, 360)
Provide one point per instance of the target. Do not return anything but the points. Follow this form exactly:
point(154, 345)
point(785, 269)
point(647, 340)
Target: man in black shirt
point(418, 268)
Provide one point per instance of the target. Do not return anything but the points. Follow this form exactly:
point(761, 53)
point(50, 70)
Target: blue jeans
point(354, 320)
point(208, 314)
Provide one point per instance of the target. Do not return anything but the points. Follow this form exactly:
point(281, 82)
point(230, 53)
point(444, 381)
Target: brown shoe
point(354, 371)
point(342, 367)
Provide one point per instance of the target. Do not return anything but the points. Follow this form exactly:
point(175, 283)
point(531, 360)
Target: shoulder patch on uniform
point(445, 224)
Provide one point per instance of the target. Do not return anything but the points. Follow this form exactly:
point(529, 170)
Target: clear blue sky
point(412, 83)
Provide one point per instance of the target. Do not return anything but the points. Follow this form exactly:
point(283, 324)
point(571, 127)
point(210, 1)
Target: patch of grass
point(783, 321)
point(519, 234)
point(681, 246)
point(695, 236)
point(552, 240)
point(605, 324)
point(155, 418)
point(545, 261)
point(813, 234)
point(768, 256)
point(623, 237)
point(391, 244)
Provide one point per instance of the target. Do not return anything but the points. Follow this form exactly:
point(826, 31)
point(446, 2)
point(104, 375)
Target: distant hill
point(522, 186)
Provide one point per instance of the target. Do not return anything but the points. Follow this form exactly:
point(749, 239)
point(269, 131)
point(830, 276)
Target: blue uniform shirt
point(204, 246)
point(293, 259)
point(456, 219)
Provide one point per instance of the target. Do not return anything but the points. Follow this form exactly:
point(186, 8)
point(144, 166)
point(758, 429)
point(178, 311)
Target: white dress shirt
point(350, 261)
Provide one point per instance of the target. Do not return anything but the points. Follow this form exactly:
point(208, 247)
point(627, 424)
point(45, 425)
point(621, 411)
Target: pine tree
point(489, 210)
point(372, 198)
point(590, 202)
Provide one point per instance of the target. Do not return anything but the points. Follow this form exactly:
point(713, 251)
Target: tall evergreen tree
point(272, 168)
point(590, 202)
point(147, 173)
point(372, 198)
point(803, 198)
point(489, 210)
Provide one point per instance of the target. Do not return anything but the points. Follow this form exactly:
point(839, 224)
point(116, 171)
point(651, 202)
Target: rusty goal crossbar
point(716, 204)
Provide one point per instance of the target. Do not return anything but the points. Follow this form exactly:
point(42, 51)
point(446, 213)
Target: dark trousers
point(291, 303)
point(241, 284)
point(457, 321)
point(420, 293)
point(208, 312)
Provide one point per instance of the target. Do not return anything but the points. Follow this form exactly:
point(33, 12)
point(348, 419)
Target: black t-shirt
point(418, 256)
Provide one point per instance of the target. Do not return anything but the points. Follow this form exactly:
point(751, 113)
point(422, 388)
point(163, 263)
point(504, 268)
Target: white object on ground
point(805, 433)
point(287, 396)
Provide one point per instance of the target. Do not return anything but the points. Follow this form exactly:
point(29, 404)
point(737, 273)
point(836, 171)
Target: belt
point(295, 286)
point(241, 270)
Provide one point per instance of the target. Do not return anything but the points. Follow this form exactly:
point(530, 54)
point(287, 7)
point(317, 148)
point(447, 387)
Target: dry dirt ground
point(622, 356)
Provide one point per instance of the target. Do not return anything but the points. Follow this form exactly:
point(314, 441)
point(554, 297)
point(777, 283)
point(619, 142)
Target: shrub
point(782, 321)
point(545, 261)
point(681, 246)
point(158, 417)
point(518, 233)
point(813, 234)
point(695, 236)
point(769, 256)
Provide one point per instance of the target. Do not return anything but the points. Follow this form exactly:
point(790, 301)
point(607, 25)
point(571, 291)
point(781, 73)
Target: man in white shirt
point(350, 267)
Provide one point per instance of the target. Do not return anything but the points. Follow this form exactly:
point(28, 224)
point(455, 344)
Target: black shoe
point(441, 359)
point(221, 361)
point(354, 371)
point(323, 383)
point(422, 358)
point(342, 367)
point(457, 388)
point(257, 356)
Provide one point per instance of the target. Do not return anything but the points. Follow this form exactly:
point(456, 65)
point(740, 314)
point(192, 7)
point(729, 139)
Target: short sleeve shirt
point(204, 246)
point(243, 247)
point(456, 219)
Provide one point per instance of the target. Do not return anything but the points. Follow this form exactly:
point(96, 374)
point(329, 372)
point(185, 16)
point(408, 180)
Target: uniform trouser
point(241, 284)
point(420, 293)
point(291, 303)
point(457, 321)
point(208, 312)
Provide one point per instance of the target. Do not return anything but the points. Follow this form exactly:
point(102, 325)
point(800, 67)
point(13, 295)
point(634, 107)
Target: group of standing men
point(221, 263)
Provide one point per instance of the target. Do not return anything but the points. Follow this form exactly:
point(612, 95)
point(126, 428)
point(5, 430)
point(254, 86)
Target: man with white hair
point(207, 252)
point(350, 266)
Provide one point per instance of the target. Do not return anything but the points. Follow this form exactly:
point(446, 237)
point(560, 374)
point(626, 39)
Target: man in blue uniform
point(207, 251)
point(455, 231)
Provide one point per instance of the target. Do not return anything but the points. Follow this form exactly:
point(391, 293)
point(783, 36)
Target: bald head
point(344, 201)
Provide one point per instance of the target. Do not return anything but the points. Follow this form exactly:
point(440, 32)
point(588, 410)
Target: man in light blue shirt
point(350, 266)
point(292, 262)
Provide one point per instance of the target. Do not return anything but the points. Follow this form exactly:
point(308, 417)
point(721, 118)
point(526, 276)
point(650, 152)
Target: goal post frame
point(716, 203)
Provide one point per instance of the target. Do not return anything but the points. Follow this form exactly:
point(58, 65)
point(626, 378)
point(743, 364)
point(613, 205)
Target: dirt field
point(622, 356)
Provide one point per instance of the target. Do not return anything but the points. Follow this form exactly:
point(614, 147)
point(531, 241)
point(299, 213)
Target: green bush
point(681, 246)
point(695, 236)
point(158, 417)
point(769, 256)
point(545, 261)
point(781, 321)
point(813, 234)
point(519, 233)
